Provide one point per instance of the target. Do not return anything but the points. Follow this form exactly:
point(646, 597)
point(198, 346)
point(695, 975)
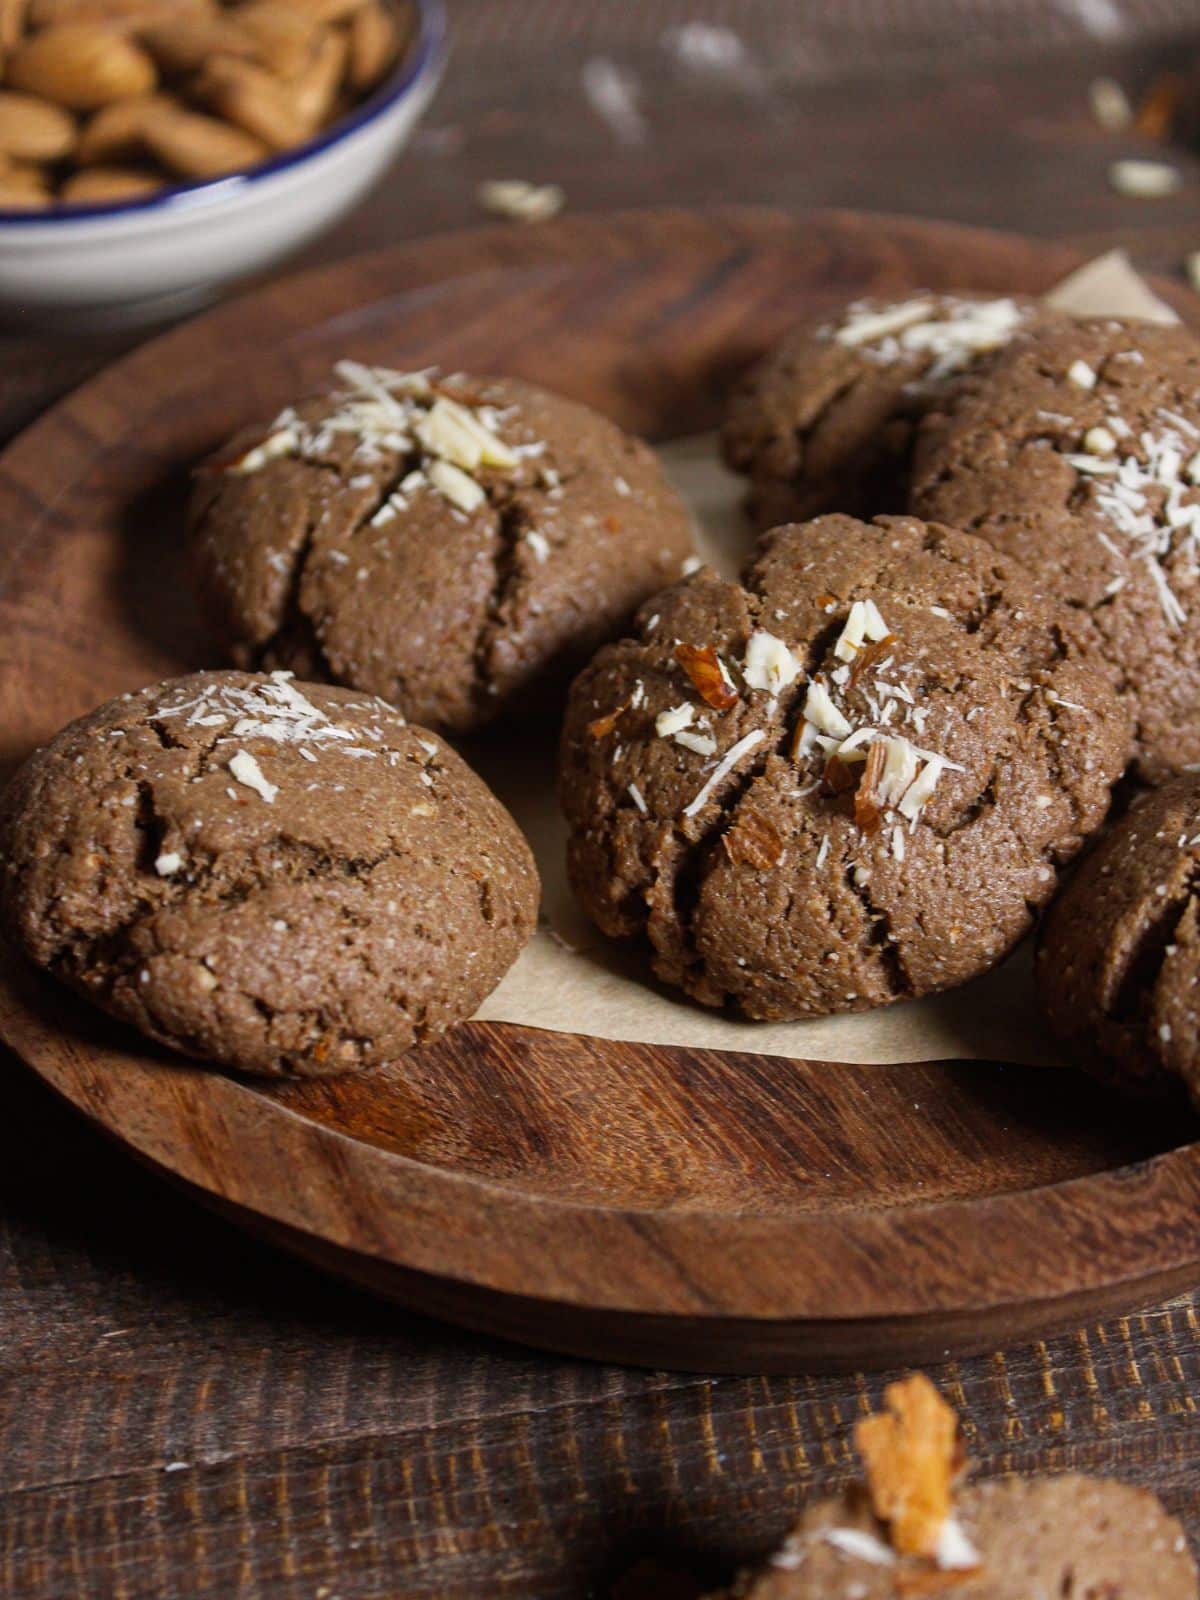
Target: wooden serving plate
point(680, 1208)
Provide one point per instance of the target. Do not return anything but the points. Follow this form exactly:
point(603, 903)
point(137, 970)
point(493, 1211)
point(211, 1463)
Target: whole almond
point(328, 10)
point(82, 65)
point(116, 133)
point(195, 146)
point(13, 17)
point(286, 39)
point(100, 184)
point(33, 129)
point(181, 45)
point(374, 45)
point(24, 189)
point(47, 13)
point(255, 101)
point(315, 89)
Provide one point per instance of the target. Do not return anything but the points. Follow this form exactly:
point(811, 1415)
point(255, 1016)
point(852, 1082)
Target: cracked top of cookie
point(1119, 953)
point(849, 782)
point(448, 543)
point(282, 877)
point(826, 420)
point(1078, 451)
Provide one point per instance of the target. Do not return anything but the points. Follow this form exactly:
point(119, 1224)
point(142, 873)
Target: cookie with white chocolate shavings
point(1078, 451)
point(1118, 960)
point(912, 1531)
point(826, 420)
point(453, 544)
point(284, 878)
point(849, 782)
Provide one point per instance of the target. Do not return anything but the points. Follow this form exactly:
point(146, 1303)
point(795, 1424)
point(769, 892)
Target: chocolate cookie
point(1071, 1536)
point(450, 544)
point(1118, 959)
point(849, 782)
point(1079, 452)
point(280, 877)
point(826, 421)
point(911, 1529)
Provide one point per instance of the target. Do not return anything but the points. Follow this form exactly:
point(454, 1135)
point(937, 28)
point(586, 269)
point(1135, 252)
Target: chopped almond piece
point(601, 727)
point(868, 657)
point(1159, 108)
point(704, 669)
point(912, 1456)
point(868, 813)
point(753, 841)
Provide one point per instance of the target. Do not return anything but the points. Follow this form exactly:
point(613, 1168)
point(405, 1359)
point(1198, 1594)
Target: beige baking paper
point(572, 979)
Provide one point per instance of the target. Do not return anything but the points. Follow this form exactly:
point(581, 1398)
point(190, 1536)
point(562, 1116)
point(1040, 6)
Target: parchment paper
point(571, 978)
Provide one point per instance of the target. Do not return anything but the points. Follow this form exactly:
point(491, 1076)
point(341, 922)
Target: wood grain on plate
point(683, 1208)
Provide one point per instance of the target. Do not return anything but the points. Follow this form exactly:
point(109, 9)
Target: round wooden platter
point(657, 1205)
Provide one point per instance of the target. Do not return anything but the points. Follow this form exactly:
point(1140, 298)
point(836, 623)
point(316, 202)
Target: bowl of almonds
point(152, 151)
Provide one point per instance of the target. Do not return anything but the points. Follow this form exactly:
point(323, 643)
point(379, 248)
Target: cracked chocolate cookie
point(913, 1529)
point(1118, 962)
point(450, 544)
point(1079, 453)
point(826, 421)
point(849, 782)
point(284, 878)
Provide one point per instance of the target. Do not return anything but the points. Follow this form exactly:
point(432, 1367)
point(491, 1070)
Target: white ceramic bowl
point(139, 260)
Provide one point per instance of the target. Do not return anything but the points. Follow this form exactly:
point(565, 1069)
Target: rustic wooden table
point(183, 1412)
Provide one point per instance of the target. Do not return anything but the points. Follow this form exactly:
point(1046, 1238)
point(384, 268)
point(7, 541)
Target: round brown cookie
point(281, 877)
point(802, 826)
point(1067, 1536)
point(447, 543)
point(1118, 961)
point(826, 420)
point(1079, 451)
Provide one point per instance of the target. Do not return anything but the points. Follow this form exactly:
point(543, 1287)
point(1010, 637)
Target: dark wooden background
point(183, 1412)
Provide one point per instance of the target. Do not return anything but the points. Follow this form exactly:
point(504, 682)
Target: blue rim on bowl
point(424, 53)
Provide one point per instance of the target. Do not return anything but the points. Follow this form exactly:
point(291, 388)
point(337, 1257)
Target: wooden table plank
point(323, 1445)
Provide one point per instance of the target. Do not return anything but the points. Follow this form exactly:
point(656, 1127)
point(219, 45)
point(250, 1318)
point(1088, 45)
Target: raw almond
point(13, 14)
point(181, 45)
point(374, 45)
point(46, 13)
point(328, 10)
point(196, 146)
point(99, 184)
point(23, 189)
point(117, 132)
point(285, 39)
point(315, 89)
point(33, 129)
point(253, 100)
point(82, 65)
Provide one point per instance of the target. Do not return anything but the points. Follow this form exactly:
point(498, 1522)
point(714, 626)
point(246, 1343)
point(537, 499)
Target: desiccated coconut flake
point(520, 200)
point(1110, 104)
point(168, 862)
point(1144, 180)
point(955, 1552)
point(668, 722)
point(859, 1544)
point(726, 765)
point(864, 326)
point(455, 485)
point(635, 794)
point(820, 710)
point(690, 564)
point(898, 843)
point(538, 543)
point(285, 442)
point(1099, 441)
point(702, 743)
point(247, 771)
point(769, 664)
point(1081, 375)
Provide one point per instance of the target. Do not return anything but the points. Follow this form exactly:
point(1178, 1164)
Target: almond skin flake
point(601, 727)
point(868, 813)
point(704, 669)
